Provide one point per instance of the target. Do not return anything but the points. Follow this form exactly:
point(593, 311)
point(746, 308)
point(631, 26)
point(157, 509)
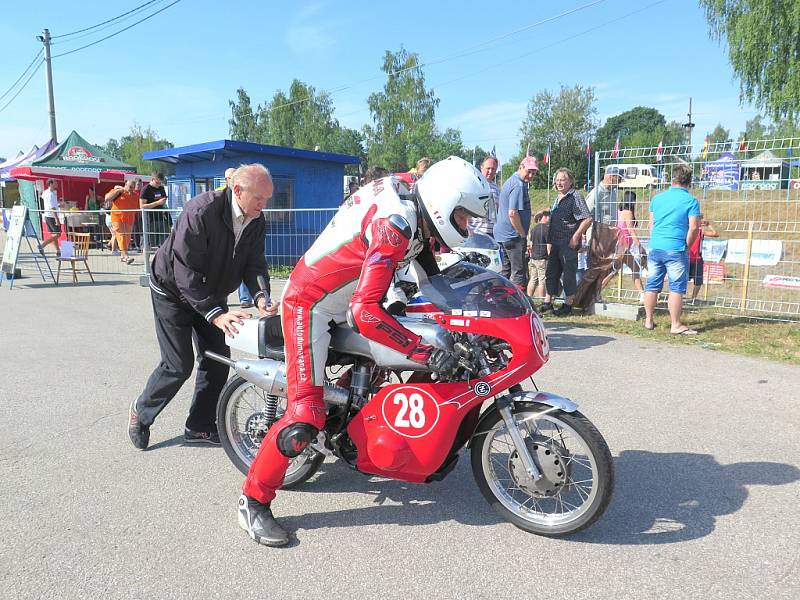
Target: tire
point(579, 454)
point(241, 428)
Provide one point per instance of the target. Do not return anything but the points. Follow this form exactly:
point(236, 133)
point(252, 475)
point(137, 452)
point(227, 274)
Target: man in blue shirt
point(514, 220)
point(674, 224)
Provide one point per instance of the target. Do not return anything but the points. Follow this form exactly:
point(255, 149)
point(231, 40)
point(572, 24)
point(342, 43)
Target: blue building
point(306, 184)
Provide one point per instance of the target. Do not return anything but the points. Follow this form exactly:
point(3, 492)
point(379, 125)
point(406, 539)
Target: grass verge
point(752, 337)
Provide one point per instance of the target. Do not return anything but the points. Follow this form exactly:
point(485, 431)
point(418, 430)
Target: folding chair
point(74, 251)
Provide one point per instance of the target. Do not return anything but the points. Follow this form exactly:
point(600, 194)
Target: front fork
point(504, 404)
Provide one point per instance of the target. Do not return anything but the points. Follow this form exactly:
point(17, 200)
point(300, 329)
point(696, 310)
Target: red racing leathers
point(348, 268)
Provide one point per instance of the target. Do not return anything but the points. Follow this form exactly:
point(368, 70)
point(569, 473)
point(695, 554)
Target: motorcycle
point(539, 462)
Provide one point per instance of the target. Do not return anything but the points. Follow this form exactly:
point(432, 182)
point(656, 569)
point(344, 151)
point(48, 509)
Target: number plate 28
point(410, 411)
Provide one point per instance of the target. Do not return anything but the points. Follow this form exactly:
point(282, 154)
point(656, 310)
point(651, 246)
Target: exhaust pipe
point(270, 376)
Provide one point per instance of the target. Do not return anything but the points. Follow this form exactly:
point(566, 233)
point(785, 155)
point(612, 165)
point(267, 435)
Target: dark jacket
point(198, 264)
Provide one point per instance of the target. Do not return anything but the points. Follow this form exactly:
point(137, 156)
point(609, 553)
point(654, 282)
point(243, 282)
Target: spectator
point(153, 201)
point(629, 248)
point(696, 255)
point(674, 226)
point(193, 273)
point(91, 199)
point(410, 177)
point(374, 173)
point(602, 199)
point(514, 220)
point(352, 187)
point(538, 249)
point(569, 220)
point(486, 226)
point(124, 205)
point(51, 218)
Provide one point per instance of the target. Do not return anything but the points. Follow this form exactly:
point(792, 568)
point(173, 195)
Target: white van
point(638, 176)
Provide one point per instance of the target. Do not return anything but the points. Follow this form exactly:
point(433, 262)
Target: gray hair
point(245, 174)
point(566, 172)
point(229, 172)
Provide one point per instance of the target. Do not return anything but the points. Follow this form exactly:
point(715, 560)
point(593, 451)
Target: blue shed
point(308, 187)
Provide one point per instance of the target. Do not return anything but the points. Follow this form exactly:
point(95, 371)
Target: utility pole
point(45, 39)
point(689, 126)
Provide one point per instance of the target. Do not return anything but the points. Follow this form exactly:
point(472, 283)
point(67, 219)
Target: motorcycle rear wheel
point(241, 423)
point(567, 448)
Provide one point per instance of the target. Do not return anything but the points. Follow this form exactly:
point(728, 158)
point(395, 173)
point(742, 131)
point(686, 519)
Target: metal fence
point(123, 243)
point(748, 194)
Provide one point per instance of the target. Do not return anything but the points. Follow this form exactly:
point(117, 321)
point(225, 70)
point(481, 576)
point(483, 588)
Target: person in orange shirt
point(124, 201)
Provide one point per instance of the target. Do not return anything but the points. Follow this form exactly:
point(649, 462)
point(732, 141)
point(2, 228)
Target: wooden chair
point(74, 251)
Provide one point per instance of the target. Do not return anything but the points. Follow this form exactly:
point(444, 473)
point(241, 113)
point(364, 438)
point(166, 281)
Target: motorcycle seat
point(270, 338)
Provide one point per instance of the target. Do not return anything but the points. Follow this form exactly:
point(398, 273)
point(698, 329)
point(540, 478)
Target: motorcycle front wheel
point(577, 470)
point(245, 413)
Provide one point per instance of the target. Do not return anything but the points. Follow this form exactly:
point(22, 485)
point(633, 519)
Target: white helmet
point(449, 184)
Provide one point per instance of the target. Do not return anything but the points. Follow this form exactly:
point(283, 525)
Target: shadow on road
point(663, 498)
point(567, 342)
point(660, 498)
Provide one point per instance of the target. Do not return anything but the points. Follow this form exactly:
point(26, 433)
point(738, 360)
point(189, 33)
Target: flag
point(704, 152)
point(742, 145)
point(660, 151)
point(494, 152)
point(547, 155)
point(615, 151)
point(588, 148)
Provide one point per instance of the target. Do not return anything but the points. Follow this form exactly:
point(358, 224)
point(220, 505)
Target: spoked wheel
point(244, 415)
point(578, 473)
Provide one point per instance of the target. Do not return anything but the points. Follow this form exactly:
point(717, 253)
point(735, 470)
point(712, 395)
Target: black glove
point(438, 360)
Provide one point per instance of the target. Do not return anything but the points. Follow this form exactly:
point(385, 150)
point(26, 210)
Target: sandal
point(129, 260)
point(684, 331)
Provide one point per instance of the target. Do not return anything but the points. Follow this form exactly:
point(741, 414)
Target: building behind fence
point(750, 192)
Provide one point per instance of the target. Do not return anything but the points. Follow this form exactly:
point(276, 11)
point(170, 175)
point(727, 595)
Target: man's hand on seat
point(227, 321)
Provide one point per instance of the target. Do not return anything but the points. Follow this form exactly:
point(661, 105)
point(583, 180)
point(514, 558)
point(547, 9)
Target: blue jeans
point(675, 265)
point(244, 293)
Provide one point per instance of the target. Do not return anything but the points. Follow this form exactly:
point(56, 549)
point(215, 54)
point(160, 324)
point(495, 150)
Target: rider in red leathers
point(344, 276)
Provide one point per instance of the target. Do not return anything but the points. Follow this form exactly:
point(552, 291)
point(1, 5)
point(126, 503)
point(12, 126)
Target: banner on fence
point(714, 272)
point(782, 281)
point(765, 253)
point(713, 250)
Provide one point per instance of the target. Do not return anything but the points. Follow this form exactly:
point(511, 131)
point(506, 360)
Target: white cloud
point(309, 31)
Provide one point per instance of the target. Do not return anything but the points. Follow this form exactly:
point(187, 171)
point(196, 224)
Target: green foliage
point(242, 122)
point(754, 129)
point(130, 148)
point(717, 136)
point(564, 120)
point(403, 115)
point(762, 48)
point(639, 127)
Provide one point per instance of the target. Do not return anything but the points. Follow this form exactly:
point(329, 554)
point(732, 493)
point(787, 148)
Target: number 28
point(412, 406)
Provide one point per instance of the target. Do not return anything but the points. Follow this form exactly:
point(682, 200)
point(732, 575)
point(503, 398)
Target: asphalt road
point(707, 501)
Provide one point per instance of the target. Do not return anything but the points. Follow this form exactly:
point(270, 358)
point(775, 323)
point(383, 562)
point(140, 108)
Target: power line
point(108, 21)
point(98, 28)
point(19, 91)
point(117, 32)
point(8, 91)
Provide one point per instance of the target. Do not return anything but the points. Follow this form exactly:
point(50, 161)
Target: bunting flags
point(742, 145)
point(660, 151)
point(615, 151)
point(547, 155)
point(704, 152)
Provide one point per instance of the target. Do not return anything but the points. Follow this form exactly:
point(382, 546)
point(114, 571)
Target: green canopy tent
point(76, 153)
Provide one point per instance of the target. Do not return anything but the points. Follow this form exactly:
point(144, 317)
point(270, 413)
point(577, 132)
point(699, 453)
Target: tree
point(242, 122)
point(565, 121)
point(762, 48)
point(719, 135)
point(130, 148)
point(754, 129)
point(403, 115)
point(303, 118)
point(639, 127)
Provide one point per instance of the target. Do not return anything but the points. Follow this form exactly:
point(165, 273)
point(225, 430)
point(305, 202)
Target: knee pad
point(295, 438)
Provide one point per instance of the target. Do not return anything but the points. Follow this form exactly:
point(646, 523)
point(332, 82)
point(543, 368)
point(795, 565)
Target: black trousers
point(515, 261)
point(177, 325)
point(562, 264)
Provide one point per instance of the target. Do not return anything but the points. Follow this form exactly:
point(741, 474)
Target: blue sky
point(177, 71)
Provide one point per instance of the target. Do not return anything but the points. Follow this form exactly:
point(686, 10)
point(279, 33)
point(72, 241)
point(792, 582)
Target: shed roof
point(221, 149)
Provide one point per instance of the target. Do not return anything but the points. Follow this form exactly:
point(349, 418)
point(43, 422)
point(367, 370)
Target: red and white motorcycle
point(539, 462)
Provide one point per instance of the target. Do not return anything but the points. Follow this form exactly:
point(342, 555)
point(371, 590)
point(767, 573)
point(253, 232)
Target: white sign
point(14, 238)
point(765, 253)
point(782, 281)
point(713, 250)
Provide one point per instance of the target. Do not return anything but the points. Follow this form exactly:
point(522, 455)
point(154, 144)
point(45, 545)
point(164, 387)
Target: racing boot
point(259, 523)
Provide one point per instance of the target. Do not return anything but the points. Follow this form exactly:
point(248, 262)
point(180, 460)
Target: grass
point(739, 335)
